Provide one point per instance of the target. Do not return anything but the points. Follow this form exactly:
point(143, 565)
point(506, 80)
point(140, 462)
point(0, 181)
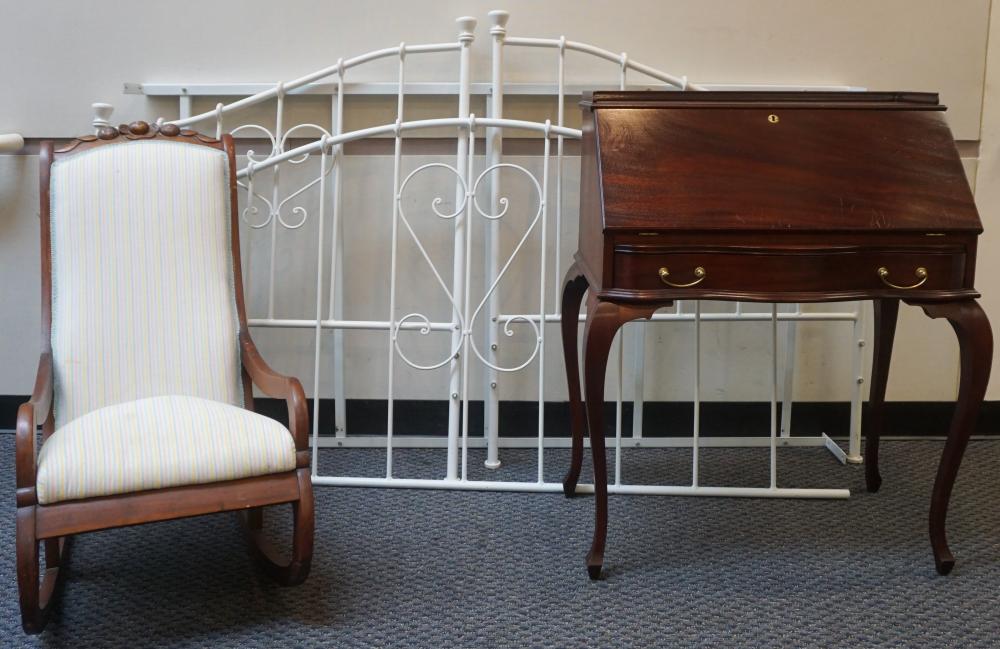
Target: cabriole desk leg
point(975, 340)
point(886, 313)
point(604, 319)
point(574, 287)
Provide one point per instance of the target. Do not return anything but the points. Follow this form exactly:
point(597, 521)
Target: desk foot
point(873, 482)
point(944, 563)
point(594, 565)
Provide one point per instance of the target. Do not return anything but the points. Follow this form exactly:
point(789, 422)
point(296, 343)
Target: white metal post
point(465, 36)
point(494, 154)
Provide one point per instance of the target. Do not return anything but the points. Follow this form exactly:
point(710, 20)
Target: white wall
point(62, 56)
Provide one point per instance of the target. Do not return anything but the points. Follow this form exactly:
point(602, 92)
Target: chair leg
point(295, 570)
point(255, 518)
point(37, 597)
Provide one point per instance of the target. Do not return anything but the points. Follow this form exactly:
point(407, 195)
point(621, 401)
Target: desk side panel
point(591, 249)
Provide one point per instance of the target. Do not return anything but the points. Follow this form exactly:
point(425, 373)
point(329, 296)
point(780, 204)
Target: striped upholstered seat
point(159, 442)
point(148, 390)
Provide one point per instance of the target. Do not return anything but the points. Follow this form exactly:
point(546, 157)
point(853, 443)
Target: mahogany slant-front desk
point(773, 197)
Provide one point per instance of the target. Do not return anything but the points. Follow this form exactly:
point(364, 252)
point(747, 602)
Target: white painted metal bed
point(275, 189)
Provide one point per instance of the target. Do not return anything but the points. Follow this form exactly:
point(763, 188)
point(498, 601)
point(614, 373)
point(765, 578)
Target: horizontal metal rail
point(465, 123)
point(555, 487)
point(293, 323)
point(433, 441)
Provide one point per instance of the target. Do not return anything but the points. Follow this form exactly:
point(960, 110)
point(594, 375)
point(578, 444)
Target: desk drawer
point(791, 270)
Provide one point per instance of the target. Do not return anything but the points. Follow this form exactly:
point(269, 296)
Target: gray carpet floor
point(399, 568)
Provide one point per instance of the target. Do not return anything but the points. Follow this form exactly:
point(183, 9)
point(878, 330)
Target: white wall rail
point(457, 256)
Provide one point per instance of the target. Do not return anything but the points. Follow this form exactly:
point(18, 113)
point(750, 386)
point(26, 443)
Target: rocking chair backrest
point(144, 286)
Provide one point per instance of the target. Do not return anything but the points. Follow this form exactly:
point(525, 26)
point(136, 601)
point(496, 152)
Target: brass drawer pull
point(699, 272)
point(921, 274)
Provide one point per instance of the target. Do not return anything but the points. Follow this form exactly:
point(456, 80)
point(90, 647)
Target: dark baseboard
point(660, 418)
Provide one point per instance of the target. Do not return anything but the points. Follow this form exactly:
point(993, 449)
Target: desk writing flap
point(861, 162)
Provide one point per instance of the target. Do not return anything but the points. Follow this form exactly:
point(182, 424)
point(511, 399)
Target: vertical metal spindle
point(397, 163)
point(696, 433)
point(319, 311)
point(858, 376)
point(336, 301)
point(638, 358)
point(396, 198)
point(618, 423)
point(541, 306)
point(638, 378)
point(466, 300)
point(560, 117)
point(788, 373)
point(774, 396)
point(275, 189)
point(619, 395)
point(184, 106)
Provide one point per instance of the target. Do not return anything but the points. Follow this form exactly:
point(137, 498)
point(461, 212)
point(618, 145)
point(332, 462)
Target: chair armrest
point(279, 386)
point(35, 411)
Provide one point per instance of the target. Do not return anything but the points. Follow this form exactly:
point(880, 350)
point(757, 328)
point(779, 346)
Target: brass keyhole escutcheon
point(773, 118)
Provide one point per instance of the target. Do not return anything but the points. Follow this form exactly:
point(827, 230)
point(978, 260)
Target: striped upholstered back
point(143, 303)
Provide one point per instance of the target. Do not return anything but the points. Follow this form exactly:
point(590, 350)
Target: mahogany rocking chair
point(144, 386)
